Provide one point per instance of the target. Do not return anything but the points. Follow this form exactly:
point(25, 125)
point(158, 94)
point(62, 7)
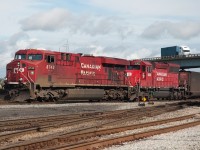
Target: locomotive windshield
point(134, 67)
point(35, 57)
point(20, 56)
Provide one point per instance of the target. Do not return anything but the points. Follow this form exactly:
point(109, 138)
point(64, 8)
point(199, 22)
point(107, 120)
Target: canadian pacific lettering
point(91, 66)
point(87, 73)
point(161, 74)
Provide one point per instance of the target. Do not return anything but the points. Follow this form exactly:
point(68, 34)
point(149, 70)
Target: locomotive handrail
point(26, 78)
point(30, 77)
point(101, 81)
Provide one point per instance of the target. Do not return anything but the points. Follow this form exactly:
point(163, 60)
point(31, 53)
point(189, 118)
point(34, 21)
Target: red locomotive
point(153, 79)
point(45, 75)
point(50, 75)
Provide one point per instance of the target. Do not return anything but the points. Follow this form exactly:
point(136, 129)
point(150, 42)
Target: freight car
point(46, 75)
point(189, 81)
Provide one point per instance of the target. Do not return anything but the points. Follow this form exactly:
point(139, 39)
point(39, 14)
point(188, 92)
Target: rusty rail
point(108, 142)
point(128, 115)
point(51, 122)
point(95, 133)
point(10, 125)
point(53, 140)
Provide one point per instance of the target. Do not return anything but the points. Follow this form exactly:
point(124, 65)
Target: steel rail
point(98, 133)
point(27, 120)
point(135, 116)
point(100, 144)
point(10, 125)
point(60, 123)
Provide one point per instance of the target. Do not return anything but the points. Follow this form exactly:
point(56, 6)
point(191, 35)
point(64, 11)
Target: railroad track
point(10, 125)
point(83, 141)
point(4, 102)
point(114, 117)
point(100, 144)
point(91, 139)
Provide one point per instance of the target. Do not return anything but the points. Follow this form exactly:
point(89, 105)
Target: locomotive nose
point(15, 71)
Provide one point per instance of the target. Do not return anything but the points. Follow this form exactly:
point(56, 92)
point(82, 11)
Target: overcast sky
point(118, 28)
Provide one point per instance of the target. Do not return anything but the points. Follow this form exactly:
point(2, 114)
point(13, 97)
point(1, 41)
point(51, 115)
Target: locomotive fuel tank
point(84, 94)
point(162, 94)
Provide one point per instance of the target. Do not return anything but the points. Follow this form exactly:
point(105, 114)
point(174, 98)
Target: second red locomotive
point(153, 79)
point(45, 75)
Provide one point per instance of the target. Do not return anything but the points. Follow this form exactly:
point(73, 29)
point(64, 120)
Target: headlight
point(20, 79)
point(128, 74)
point(32, 72)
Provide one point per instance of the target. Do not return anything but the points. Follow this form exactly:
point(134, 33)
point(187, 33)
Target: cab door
point(51, 68)
point(143, 72)
point(149, 78)
point(146, 76)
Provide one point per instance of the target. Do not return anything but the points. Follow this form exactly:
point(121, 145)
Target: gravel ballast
point(36, 110)
point(186, 139)
point(183, 139)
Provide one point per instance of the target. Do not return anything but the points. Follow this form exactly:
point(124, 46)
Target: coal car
point(189, 80)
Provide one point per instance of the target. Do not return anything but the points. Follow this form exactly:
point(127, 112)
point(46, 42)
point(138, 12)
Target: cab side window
point(149, 69)
point(68, 57)
point(50, 59)
point(63, 56)
point(76, 59)
point(143, 68)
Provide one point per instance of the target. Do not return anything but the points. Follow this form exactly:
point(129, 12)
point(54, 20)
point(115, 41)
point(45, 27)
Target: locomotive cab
point(21, 72)
point(139, 79)
point(139, 72)
point(22, 68)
